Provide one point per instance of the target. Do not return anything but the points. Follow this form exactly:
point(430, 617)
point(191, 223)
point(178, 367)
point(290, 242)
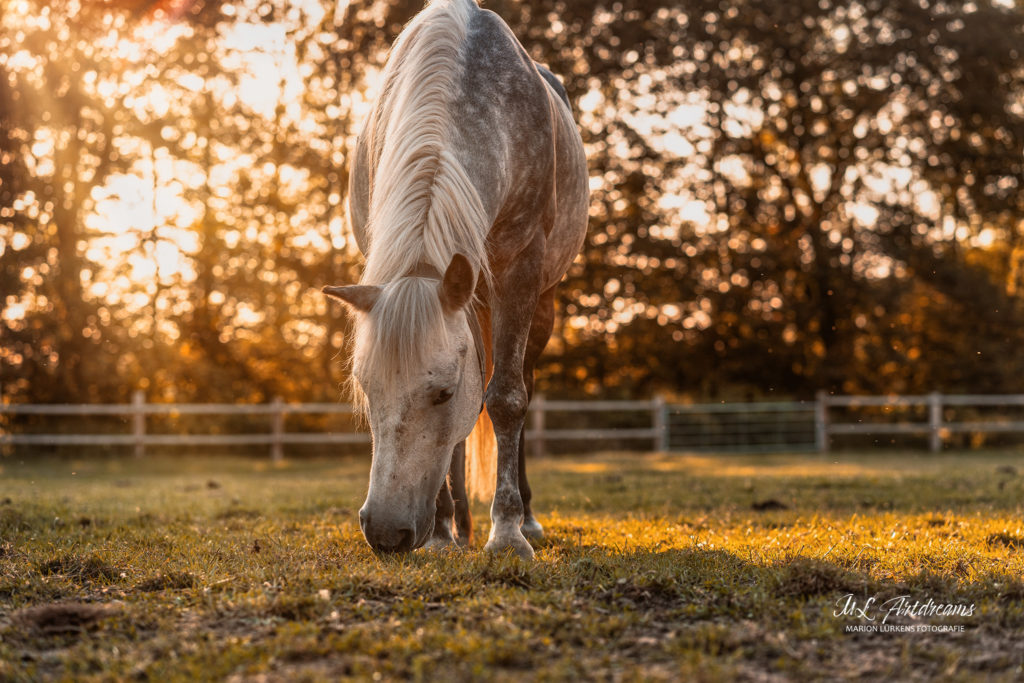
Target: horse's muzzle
point(385, 536)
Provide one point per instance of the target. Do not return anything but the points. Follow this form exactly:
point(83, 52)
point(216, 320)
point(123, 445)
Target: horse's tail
point(482, 459)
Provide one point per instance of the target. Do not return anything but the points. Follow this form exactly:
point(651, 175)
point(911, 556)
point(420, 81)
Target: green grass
point(655, 567)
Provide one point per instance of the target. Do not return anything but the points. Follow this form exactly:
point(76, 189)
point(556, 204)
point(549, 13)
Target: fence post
point(537, 425)
point(821, 439)
point(277, 430)
point(139, 422)
point(935, 422)
point(659, 421)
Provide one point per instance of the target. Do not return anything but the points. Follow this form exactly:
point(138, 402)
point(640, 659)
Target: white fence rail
point(938, 416)
point(861, 420)
point(653, 424)
point(276, 438)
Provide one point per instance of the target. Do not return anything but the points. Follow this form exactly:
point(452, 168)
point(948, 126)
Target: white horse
point(468, 197)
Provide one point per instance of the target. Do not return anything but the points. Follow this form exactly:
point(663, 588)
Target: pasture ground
point(676, 567)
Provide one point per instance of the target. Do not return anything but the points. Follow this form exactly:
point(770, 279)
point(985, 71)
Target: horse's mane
point(423, 206)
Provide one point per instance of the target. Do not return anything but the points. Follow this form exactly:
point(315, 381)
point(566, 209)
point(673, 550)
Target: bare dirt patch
point(88, 568)
point(172, 581)
point(62, 618)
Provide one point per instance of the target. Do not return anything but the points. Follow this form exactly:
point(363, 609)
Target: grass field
point(655, 567)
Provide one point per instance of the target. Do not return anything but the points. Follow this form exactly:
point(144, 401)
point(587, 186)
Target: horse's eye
point(443, 396)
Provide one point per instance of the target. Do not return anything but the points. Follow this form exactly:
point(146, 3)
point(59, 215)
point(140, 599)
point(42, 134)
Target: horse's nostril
point(364, 518)
point(395, 541)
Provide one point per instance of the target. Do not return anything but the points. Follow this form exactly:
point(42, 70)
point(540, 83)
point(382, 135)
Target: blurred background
point(787, 197)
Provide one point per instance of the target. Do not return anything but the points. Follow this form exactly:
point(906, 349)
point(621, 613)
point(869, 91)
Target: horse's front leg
point(507, 399)
point(507, 404)
point(452, 506)
point(540, 332)
point(442, 536)
point(457, 478)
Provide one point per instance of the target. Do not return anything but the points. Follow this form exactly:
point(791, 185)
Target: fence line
point(742, 427)
point(934, 426)
point(276, 438)
point(717, 427)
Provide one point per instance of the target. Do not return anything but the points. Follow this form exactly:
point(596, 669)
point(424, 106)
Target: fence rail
point(276, 438)
point(718, 427)
point(938, 419)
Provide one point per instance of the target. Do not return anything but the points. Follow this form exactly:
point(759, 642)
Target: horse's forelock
point(395, 339)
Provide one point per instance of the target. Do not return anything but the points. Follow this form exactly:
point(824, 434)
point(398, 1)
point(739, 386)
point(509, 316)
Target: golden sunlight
point(150, 204)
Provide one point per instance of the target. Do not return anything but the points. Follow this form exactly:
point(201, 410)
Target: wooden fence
point(938, 416)
point(649, 424)
point(859, 421)
point(276, 438)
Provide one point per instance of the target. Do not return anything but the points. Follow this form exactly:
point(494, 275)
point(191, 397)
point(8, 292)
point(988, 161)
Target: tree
point(61, 122)
point(823, 146)
point(785, 197)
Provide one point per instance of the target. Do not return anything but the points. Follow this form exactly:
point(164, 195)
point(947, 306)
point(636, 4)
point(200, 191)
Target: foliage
point(843, 166)
point(185, 569)
point(786, 197)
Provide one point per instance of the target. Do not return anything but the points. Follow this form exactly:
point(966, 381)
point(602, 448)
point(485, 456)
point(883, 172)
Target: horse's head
point(419, 379)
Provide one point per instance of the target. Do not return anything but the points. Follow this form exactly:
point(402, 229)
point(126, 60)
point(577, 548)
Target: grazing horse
point(468, 197)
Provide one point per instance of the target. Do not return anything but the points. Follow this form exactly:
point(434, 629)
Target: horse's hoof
point(438, 543)
point(532, 529)
point(516, 543)
point(441, 537)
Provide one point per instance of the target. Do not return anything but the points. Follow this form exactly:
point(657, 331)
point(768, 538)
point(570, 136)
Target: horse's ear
point(360, 297)
point(459, 282)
